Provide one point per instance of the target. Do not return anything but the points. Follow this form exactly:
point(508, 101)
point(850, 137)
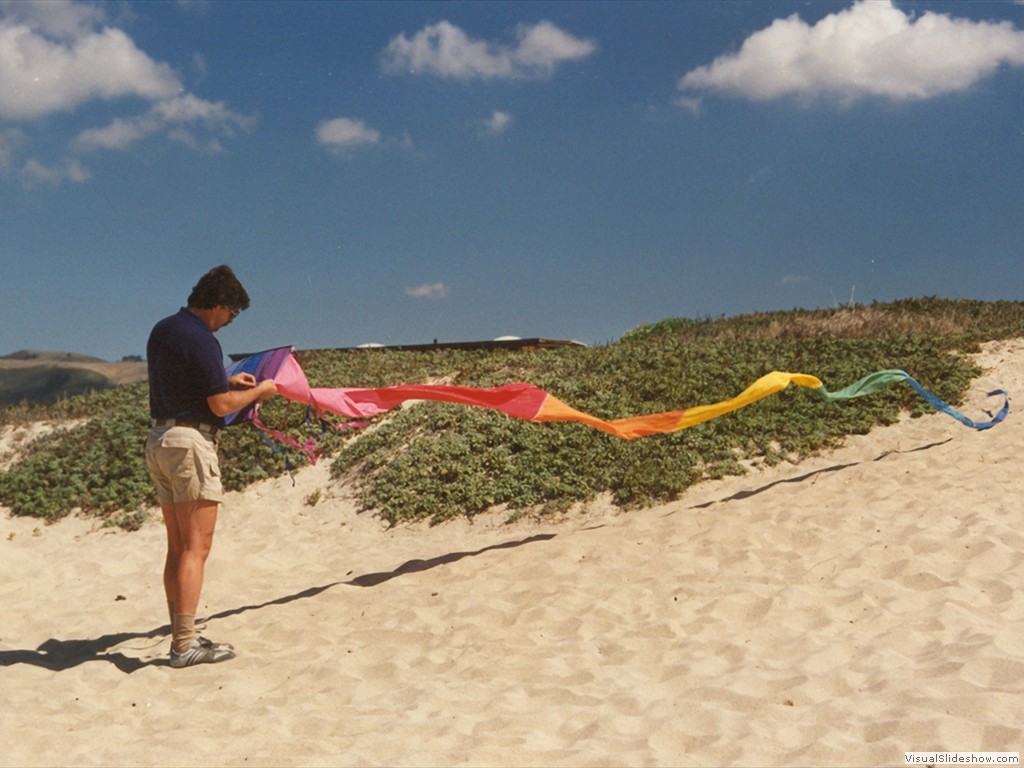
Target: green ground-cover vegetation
point(435, 461)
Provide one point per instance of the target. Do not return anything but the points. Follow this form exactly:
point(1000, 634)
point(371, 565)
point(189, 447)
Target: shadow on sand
point(811, 475)
point(59, 655)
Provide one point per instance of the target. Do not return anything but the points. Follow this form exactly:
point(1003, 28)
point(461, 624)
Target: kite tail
point(633, 427)
point(528, 402)
point(875, 381)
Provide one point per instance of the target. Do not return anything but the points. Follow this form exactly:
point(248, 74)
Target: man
point(189, 395)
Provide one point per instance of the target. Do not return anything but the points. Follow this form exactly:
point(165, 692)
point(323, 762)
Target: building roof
point(503, 342)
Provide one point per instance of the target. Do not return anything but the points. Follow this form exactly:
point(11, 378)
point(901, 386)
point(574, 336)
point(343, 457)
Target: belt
point(210, 429)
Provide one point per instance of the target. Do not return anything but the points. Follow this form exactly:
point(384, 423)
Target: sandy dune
point(839, 612)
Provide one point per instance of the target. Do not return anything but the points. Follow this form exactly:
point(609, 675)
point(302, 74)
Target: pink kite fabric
point(526, 401)
point(523, 401)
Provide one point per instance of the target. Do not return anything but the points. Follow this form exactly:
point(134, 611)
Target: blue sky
point(396, 173)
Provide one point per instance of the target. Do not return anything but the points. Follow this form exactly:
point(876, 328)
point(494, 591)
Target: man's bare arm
point(243, 393)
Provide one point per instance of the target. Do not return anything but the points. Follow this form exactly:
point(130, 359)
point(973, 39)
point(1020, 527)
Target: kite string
point(310, 447)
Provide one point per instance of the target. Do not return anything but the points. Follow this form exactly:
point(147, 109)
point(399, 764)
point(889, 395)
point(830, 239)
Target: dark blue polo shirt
point(186, 365)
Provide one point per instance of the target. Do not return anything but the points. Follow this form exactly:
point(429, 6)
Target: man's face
point(227, 314)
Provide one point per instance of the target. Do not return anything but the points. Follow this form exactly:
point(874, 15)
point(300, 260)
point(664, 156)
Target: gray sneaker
point(202, 651)
point(210, 644)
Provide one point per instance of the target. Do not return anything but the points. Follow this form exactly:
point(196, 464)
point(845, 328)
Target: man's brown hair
point(218, 288)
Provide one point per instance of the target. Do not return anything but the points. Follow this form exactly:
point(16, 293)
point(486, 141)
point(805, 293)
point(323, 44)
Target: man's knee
point(194, 524)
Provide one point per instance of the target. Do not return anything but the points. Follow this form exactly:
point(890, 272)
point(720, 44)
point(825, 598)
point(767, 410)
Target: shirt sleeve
point(209, 366)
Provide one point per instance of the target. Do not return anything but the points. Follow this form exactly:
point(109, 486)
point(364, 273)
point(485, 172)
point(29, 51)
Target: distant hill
point(47, 383)
point(50, 357)
point(32, 376)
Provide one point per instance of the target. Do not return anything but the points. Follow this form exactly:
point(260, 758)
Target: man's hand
point(244, 391)
point(267, 389)
point(242, 381)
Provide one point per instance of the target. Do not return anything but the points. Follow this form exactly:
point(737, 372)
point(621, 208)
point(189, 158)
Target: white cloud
point(794, 280)
point(543, 46)
point(179, 119)
point(343, 133)
point(427, 291)
point(194, 7)
point(117, 135)
point(694, 104)
point(497, 122)
point(869, 49)
point(10, 140)
point(51, 61)
point(35, 172)
point(199, 65)
point(446, 51)
point(57, 18)
point(58, 56)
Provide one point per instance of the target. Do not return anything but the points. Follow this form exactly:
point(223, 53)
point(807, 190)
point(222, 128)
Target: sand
point(842, 611)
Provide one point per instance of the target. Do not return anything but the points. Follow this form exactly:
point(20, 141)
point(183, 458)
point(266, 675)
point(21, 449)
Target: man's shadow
point(59, 655)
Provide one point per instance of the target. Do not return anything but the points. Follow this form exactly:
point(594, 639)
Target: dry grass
point(117, 373)
point(964, 321)
point(858, 322)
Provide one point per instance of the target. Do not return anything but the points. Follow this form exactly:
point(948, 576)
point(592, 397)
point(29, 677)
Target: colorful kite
point(525, 401)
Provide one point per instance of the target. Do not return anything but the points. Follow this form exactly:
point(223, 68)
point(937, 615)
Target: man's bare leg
point(190, 528)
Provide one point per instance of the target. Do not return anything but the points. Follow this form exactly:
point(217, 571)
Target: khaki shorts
point(183, 465)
